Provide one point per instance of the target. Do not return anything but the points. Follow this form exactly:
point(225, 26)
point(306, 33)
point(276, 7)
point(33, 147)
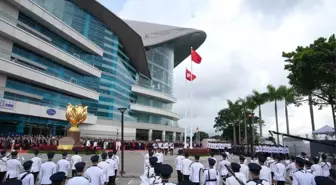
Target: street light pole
point(122, 111)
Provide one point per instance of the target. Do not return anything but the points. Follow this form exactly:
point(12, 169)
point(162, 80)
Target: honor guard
point(149, 171)
point(304, 156)
point(320, 180)
point(63, 165)
point(58, 178)
point(279, 171)
point(166, 170)
point(74, 160)
point(265, 172)
point(195, 169)
point(79, 179)
point(186, 162)
point(212, 156)
point(236, 170)
point(211, 175)
point(171, 148)
point(94, 173)
point(111, 170)
point(243, 167)
point(27, 177)
point(156, 178)
point(178, 163)
point(307, 166)
point(13, 167)
point(115, 157)
point(150, 154)
point(165, 147)
point(254, 175)
point(36, 166)
point(222, 167)
point(47, 169)
point(326, 166)
point(301, 176)
point(291, 167)
point(159, 156)
point(316, 167)
point(3, 165)
point(104, 165)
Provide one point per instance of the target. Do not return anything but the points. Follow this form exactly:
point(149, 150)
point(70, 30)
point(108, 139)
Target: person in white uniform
point(326, 166)
point(316, 167)
point(186, 162)
point(301, 177)
point(57, 178)
point(212, 155)
point(223, 167)
point(178, 165)
point(147, 156)
point(159, 156)
point(104, 166)
point(47, 169)
point(291, 167)
point(166, 170)
point(111, 171)
point(211, 176)
point(232, 180)
point(307, 167)
point(156, 178)
point(26, 177)
point(149, 171)
point(3, 165)
point(195, 169)
point(79, 179)
point(74, 160)
point(13, 167)
point(63, 165)
point(265, 172)
point(36, 166)
point(243, 167)
point(94, 173)
point(254, 175)
point(279, 171)
point(115, 157)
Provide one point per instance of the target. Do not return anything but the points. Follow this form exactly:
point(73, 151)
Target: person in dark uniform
point(166, 171)
point(58, 178)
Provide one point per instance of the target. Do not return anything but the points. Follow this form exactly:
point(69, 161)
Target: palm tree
point(288, 96)
point(244, 110)
point(235, 109)
point(259, 99)
point(251, 106)
point(274, 95)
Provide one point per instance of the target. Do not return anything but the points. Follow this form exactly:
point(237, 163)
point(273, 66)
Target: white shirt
point(149, 172)
point(244, 170)
point(63, 165)
point(95, 175)
point(155, 180)
point(279, 172)
point(112, 166)
point(195, 168)
point(27, 180)
point(78, 181)
point(222, 168)
point(116, 159)
point(74, 160)
point(104, 166)
point(159, 156)
point(3, 165)
point(47, 169)
point(186, 166)
point(233, 181)
point(211, 177)
point(292, 168)
point(326, 166)
point(146, 160)
point(178, 162)
point(13, 168)
point(317, 170)
point(36, 166)
point(265, 173)
point(301, 177)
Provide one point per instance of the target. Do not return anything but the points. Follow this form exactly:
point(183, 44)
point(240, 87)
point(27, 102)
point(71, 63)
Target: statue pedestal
point(75, 136)
point(67, 143)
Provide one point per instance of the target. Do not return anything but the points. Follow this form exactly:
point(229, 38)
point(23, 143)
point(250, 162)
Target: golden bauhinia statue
point(76, 115)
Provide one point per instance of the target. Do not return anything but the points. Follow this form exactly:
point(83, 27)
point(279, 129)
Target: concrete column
point(163, 135)
point(3, 79)
point(54, 130)
point(174, 136)
point(150, 133)
point(20, 127)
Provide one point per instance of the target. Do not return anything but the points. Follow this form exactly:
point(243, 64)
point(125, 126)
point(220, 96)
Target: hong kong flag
point(195, 57)
point(190, 76)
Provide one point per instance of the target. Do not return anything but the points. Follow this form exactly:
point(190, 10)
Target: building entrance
point(156, 135)
point(141, 134)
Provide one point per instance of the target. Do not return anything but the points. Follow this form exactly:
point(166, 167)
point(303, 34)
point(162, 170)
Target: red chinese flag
point(190, 76)
point(195, 57)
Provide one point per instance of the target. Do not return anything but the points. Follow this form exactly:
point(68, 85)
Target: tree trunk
point(245, 127)
point(276, 120)
point(239, 134)
point(260, 122)
point(310, 102)
point(333, 115)
point(287, 122)
point(234, 133)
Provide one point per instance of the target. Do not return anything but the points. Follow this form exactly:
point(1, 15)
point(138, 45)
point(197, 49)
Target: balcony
point(152, 93)
point(19, 71)
point(24, 108)
point(156, 111)
point(44, 48)
point(41, 15)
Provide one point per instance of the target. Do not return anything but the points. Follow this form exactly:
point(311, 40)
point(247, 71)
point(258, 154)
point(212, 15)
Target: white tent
point(325, 130)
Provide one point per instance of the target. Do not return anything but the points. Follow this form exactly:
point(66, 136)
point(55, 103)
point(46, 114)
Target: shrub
point(197, 151)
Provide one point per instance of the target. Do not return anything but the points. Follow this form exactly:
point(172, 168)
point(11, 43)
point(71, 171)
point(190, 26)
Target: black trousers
point(35, 174)
point(111, 180)
point(179, 176)
point(2, 176)
point(74, 173)
point(116, 172)
point(186, 178)
point(280, 183)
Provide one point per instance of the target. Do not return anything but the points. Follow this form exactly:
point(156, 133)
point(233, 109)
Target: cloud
point(242, 52)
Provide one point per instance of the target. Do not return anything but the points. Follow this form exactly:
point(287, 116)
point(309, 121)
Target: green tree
point(274, 95)
point(259, 99)
point(312, 72)
point(251, 106)
point(200, 136)
point(289, 97)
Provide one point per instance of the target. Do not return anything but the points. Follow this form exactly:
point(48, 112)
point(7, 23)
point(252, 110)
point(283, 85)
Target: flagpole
point(191, 146)
point(191, 94)
point(185, 137)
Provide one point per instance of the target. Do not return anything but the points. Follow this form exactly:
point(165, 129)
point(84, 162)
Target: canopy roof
point(325, 130)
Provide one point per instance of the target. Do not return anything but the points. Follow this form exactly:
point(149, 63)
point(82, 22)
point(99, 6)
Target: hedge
point(197, 151)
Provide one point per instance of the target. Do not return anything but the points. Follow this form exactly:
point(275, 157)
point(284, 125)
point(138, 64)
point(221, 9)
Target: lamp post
point(122, 111)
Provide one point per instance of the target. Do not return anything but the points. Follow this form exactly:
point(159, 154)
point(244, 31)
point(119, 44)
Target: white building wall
point(3, 79)
point(8, 12)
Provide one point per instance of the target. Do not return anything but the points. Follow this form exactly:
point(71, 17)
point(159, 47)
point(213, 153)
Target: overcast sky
point(245, 39)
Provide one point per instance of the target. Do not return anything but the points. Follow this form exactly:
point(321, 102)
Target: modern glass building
point(55, 52)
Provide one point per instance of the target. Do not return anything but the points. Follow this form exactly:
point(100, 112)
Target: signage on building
point(7, 104)
point(51, 112)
